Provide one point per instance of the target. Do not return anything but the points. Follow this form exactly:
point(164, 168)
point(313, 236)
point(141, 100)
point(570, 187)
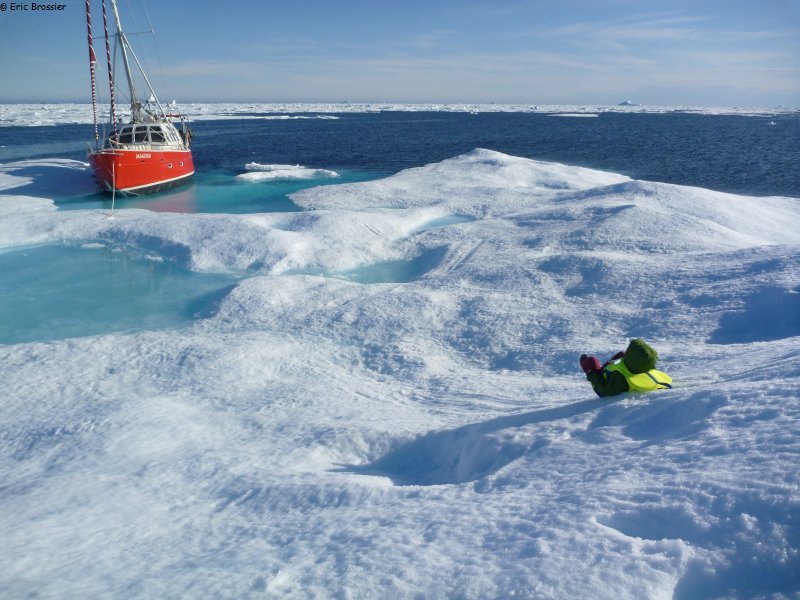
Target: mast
point(92, 61)
point(139, 113)
point(110, 73)
point(123, 42)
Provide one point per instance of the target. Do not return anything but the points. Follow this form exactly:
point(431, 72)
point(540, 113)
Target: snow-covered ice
point(62, 113)
point(389, 404)
point(584, 115)
point(258, 172)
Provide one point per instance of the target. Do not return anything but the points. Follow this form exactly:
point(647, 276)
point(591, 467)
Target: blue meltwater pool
point(59, 291)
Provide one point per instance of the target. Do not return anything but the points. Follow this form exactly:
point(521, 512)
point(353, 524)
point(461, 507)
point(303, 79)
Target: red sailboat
point(148, 153)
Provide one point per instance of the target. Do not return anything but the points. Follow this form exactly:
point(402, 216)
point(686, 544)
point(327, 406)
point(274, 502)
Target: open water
point(741, 154)
point(55, 292)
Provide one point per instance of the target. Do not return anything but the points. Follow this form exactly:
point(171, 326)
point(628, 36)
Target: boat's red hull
point(141, 171)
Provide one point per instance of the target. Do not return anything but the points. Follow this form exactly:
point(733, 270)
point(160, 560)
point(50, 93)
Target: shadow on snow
point(464, 454)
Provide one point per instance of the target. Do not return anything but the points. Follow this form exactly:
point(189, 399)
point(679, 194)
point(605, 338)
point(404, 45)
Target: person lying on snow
point(630, 371)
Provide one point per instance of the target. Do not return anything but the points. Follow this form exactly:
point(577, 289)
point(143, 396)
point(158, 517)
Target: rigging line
point(147, 81)
point(158, 60)
point(119, 89)
point(137, 108)
point(155, 45)
point(127, 34)
point(140, 50)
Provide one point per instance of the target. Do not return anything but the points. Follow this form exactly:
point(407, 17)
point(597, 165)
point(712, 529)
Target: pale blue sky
point(698, 52)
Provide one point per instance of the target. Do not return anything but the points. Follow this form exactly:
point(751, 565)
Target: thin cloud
point(625, 36)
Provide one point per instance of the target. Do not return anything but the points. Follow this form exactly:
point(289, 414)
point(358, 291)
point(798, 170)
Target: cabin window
point(140, 135)
point(156, 135)
point(125, 136)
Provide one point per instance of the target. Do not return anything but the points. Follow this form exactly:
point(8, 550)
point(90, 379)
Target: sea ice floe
point(590, 115)
point(62, 113)
point(323, 428)
point(259, 172)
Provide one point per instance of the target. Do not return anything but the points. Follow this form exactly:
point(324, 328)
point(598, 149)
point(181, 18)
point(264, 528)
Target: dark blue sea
point(750, 155)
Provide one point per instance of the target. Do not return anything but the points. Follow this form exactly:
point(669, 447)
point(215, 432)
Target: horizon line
point(422, 103)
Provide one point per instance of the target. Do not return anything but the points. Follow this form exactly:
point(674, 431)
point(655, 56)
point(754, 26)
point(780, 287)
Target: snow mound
point(389, 401)
point(497, 184)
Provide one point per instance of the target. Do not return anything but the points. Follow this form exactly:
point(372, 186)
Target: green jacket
point(638, 364)
point(608, 383)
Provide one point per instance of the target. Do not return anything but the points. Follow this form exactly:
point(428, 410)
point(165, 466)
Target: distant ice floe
point(235, 115)
point(574, 115)
point(259, 172)
point(72, 113)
